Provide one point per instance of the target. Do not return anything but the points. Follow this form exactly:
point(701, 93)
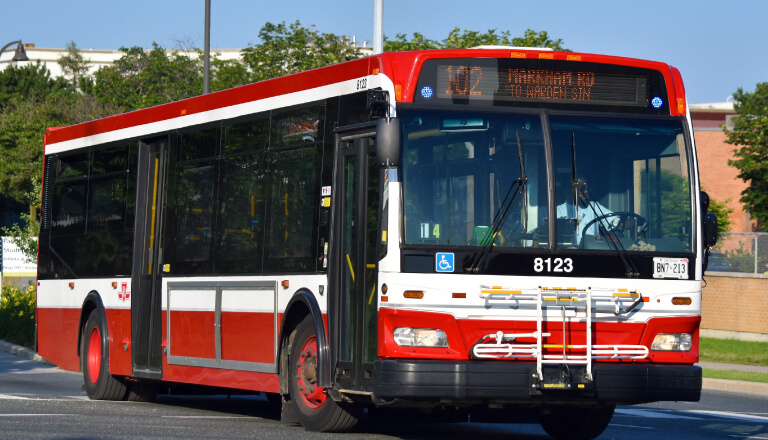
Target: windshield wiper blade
point(517, 187)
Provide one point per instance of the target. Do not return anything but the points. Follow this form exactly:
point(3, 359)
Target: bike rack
point(582, 301)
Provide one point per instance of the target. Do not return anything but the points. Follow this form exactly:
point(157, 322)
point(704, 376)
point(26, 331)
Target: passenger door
point(358, 188)
point(146, 304)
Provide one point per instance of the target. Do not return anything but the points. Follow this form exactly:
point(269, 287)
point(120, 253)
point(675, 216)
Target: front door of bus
point(146, 312)
point(356, 260)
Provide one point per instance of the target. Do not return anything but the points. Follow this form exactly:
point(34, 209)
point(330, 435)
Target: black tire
point(315, 409)
point(574, 423)
point(99, 384)
point(142, 390)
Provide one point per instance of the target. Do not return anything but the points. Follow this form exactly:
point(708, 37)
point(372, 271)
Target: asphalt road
point(42, 402)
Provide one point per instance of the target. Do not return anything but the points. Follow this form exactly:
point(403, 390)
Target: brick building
point(719, 179)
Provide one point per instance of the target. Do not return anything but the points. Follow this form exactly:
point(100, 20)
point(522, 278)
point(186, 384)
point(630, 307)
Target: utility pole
point(378, 26)
point(207, 49)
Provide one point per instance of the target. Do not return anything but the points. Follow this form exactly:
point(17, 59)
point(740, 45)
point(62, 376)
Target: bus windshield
point(472, 179)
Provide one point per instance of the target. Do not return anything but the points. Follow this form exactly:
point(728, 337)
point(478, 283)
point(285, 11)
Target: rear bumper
point(515, 382)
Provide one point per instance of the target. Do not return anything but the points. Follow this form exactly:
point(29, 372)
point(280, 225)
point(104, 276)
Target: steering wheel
point(628, 222)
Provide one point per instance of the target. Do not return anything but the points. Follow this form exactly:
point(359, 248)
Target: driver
point(583, 212)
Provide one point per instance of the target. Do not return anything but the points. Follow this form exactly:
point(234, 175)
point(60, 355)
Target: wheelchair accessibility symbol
point(444, 262)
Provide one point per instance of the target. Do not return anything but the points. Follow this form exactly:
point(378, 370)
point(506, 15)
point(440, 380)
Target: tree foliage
point(287, 49)
point(32, 81)
point(750, 136)
point(723, 213)
point(143, 79)
point(462, 39)
point(75, 65)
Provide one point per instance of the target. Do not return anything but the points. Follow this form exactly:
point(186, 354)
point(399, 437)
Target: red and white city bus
point(504, 232)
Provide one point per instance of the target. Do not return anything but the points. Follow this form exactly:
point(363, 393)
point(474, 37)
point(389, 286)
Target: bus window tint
point(643, 196)
point(461, 172)
point(241, 214)
point(194, 201)
point(293, 200)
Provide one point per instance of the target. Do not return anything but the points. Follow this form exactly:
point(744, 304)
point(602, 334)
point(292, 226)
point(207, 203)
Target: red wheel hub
point(312, 395)
point(94, 355)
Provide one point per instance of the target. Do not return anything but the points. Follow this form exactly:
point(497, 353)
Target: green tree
point(750, 136)
point(532, 38)
point(287, 49)
point(74, 65)
point(418, 42)
point(226, 74)
point(141, 79)
point(723, 212)
point(461, 39)
point(32, 81)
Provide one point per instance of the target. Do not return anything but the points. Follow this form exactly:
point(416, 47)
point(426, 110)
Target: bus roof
point(401, 70)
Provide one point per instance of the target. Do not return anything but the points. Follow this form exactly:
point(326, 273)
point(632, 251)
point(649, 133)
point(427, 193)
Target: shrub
point(17, 315)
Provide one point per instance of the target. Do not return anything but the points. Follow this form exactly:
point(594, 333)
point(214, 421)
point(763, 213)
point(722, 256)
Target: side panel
point(222, 325)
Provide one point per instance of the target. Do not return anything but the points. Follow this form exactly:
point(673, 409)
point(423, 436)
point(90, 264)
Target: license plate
point(670, 268)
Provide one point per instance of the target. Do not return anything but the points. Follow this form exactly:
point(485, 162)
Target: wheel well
point(291, 319)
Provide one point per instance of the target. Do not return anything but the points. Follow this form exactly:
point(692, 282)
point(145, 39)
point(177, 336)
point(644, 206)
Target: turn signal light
point(413, 294)
point(681, 301)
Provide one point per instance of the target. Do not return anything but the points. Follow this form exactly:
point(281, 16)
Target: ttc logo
point(124, 294)
point(444, 262)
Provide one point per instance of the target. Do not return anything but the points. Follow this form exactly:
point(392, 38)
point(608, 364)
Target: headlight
point(672, 342)
point(420, 337)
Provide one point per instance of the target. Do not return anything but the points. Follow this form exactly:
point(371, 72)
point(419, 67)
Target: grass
point(735, 375)
point(731, 351)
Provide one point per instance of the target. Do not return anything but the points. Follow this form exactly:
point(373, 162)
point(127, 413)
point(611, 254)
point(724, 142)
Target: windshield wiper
point(517, 187)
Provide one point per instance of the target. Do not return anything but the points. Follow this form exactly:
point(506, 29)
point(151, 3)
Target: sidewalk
point(737, 386)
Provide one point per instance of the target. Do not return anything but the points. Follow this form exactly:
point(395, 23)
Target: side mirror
point(388, 141)
point(710, 229)
point(704, 201)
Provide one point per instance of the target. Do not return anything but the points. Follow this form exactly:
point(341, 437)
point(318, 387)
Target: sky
point(718, 45)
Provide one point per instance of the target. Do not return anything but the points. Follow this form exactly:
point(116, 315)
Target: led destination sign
point(507, 82)
point(541, 85)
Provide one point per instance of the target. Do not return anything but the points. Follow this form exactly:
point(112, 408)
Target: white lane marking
point(631, 426)
point(651, 414)
point(35, 415)
point(210, 417)
point(731, 415)
point(10, 397)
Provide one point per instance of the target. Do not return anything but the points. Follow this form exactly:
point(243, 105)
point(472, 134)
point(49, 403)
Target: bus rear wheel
point(315, 410)
point(575, 423)
point(99, 384)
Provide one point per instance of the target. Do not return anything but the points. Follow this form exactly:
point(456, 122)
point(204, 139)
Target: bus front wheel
point(575, 423)
point(99, 384)
point(315, 410)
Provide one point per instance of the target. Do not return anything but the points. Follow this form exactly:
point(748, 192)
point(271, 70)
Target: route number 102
point(553, 265)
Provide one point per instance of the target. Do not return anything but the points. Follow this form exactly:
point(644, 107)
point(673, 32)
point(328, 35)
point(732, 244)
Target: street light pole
point(20, 55)
point(378, 26)
point(207, 49)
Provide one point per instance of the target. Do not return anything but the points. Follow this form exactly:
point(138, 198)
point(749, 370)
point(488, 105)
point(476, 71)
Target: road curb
point(23, 352)
point(735, 386)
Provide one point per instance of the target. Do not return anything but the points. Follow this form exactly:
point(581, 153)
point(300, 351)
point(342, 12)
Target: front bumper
point(516, 382)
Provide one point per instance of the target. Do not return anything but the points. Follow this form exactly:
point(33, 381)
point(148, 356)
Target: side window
point(69, 194)
point(294, 189)
point(91, 218)
point(292, 209)
point(191, 200)
point(242, 198)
